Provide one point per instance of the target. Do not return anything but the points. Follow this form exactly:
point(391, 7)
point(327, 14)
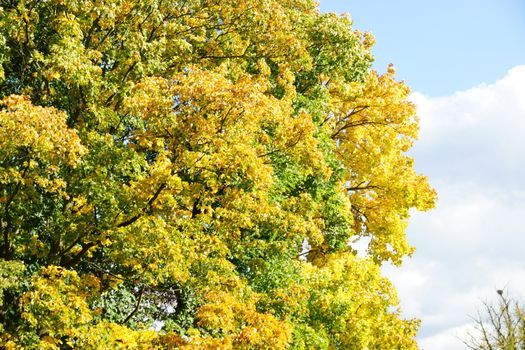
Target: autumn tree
point(189, 174)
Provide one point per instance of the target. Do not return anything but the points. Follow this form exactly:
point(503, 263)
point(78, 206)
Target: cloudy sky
point(465, 61)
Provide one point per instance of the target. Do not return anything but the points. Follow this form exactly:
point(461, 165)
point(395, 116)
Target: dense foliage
point(191, 173)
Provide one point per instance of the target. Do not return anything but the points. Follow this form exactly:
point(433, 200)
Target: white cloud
point(472, 146)
point(451, 339)
point(476, 134)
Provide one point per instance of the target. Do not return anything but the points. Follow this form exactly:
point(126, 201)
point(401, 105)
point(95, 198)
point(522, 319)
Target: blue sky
point(440, 47)
point(465, 63)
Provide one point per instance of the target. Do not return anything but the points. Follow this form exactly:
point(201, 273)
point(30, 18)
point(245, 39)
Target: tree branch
point(143, 210)
point(137, 306)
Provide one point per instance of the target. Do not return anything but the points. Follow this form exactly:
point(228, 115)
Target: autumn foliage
point(190, 174)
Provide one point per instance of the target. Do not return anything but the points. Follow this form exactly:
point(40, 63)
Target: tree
point(499, 326)
point(199, 168)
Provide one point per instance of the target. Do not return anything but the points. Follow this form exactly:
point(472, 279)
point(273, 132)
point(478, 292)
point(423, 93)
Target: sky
point(465, 63)
point(440, 47)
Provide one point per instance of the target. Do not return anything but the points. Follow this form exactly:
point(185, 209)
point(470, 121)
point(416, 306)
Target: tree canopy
point(190, 174)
